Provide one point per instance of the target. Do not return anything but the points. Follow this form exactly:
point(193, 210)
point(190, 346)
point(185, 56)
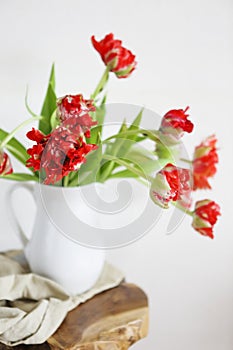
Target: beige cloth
point(33, 307)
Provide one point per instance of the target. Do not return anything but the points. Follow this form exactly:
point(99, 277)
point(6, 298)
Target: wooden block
point(112, 320)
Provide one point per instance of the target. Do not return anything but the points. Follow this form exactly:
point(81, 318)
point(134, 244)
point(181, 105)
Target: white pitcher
point(51, 252)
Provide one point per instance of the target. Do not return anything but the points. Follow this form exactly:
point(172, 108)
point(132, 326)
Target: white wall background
point(185, 53)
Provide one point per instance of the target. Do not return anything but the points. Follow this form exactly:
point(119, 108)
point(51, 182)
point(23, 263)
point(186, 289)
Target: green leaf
point(145, 160)
point(128, 142)
point(15, 147)
point(112, 149)
point(123, 174)
point(140, 153)
point(140, 138)
point(88, 171)
point(135, 124)
point(20, 177)
point(126, 164)
point(99, 117)
point(152, 135)
point(122, 145)
point(54, 122)
point(49, 105)
point(169, 153)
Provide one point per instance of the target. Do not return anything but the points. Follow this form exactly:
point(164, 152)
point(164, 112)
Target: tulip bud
point(204, 163)
point(170, 184)
point(174, 124)
point(117, 58)
point(205, 217)
point(73, 106)
point(5, 164)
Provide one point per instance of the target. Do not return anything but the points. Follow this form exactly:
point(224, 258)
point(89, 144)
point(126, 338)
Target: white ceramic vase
point(50, 252)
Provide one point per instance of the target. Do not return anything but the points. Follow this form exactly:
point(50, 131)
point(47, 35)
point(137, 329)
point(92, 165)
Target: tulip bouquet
point(69, 150)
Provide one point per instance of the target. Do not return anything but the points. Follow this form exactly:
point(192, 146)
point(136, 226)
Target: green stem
point(107, 171)
point(101, 83)
point(186, 160)
point(66, 181)
point(150, 134)
point(128, 166)
point(13, 132)
point(20, 177)
point(180, 207)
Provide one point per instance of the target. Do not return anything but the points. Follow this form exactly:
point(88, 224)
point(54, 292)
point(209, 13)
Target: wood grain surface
point(112, 320)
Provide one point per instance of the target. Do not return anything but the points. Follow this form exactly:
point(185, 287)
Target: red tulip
point(5, 164)
point(170, 184)
point(204, 163)
point(58, 153)
point(37, 150)
point(74, 113)
point(205, 217)
point(174, 124)
point(118, 59)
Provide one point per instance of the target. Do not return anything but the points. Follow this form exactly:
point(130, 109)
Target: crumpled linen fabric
point(32, 307)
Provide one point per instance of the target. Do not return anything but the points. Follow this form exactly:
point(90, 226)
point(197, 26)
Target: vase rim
point(62, 188)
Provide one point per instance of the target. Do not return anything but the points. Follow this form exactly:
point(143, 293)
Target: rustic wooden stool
point(112, 320)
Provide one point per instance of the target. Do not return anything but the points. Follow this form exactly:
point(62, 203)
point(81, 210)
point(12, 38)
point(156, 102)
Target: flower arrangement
point(68, 148)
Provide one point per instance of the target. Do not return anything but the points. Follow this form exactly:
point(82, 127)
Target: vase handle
point(10, 209)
